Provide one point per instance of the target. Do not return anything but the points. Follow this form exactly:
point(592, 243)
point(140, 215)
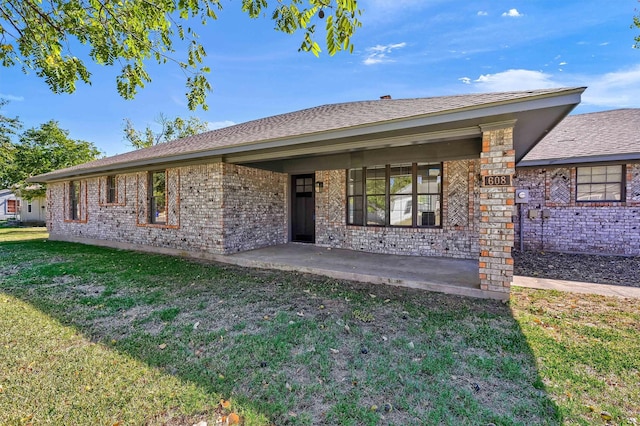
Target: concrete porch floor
point(453, 276)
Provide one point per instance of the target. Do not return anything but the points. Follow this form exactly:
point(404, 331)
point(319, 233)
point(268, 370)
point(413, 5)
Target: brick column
point(496, 233)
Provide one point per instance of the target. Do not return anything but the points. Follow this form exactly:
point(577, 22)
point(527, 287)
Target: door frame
point(292, 204)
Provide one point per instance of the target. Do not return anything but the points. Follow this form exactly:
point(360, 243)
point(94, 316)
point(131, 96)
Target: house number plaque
point(496, 180)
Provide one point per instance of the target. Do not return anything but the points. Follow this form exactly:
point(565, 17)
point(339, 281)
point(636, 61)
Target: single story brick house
point(421, 177)
point(583, 184)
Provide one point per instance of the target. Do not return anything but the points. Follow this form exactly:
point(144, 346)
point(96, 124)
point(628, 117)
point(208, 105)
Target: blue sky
point(406, 48)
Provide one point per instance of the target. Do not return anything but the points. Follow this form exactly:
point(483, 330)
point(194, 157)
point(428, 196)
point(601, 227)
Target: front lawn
point(91, 335)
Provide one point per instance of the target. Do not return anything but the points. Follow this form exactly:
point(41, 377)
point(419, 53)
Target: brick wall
point(255, 213)
point(204, 210)
point(458, 237)
point(609, 228)
point(496, 231)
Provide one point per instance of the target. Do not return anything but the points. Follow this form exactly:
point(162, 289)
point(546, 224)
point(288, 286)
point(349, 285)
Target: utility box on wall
point(522, 196)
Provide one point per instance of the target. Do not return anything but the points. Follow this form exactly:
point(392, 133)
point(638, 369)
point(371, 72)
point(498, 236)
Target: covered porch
point(453, 276)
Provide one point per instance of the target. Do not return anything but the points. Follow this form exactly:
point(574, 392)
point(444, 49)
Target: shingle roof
point(594, 136)
point(317, 120)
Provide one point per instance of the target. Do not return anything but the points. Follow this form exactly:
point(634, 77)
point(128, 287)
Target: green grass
point(95, 335)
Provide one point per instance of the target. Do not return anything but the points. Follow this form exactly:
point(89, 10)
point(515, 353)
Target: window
point(111, 190)
point(395, 195)
point(355, 197)
point(29, 208)
point(157, 197)
point(376, 199)
point(74, 200)
point(428, 194)
point(401, 195)
point(12, 206)
point(599, 183)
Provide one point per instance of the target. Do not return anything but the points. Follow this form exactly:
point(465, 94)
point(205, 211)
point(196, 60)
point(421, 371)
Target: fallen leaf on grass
point(162, 346)
point(233, 419)
point(334, 351)
point(606, 416)
point(225, 403)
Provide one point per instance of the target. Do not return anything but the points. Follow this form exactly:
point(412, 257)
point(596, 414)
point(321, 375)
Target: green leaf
point(130, 32)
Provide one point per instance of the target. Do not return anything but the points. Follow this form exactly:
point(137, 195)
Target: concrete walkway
point(577, 287)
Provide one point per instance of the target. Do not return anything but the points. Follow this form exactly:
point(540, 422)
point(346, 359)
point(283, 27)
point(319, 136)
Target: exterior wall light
point(319, 187)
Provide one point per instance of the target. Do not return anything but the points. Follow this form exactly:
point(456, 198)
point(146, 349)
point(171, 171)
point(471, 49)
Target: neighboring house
point(583, 182)
point(33, 212)
point(333, 175)
point(12, 207)
point(9, 205)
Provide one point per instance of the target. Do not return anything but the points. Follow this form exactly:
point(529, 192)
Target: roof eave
point(566, 97)
point(634, 156)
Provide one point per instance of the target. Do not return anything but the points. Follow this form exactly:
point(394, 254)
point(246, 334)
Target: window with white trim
point(600, 183)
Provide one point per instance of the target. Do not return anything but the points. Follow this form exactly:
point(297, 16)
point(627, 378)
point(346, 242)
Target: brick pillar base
point(496, 233)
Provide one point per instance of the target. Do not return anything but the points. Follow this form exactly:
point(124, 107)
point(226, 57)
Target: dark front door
point(303, 226)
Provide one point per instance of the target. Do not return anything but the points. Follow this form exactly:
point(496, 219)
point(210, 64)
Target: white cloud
point(615, 89)
point(515, 80)
point(604, 43)
point(512, 13)
point(562, 63)
point(465, 80)
point(618, 89)
point(483, 13)
point(12, 98)
point(214, 125)
point(378, 54)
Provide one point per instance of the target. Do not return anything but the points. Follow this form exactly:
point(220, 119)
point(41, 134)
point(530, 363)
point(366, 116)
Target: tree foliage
point(169, 130)
point(9, 126)
point(636, 23)
point(40, 35)
point(41, 150)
